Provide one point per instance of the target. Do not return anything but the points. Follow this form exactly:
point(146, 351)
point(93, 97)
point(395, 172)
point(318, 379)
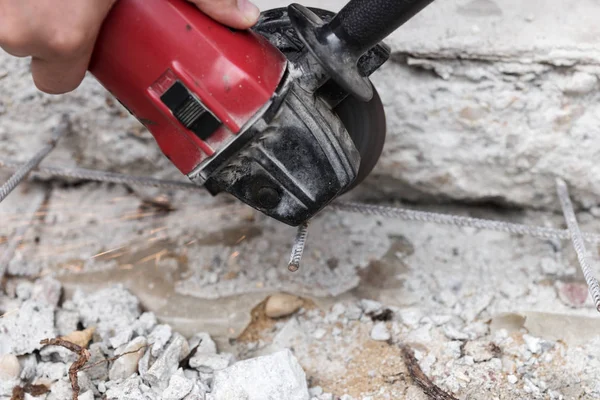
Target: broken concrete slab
point(277, 376)
point(127, 365)
point(110, 310)
point(167, 363)
point(179, 387)
point(22, 331)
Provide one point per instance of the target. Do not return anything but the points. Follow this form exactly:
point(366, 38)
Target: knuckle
point(14, 41)
point(67, 42)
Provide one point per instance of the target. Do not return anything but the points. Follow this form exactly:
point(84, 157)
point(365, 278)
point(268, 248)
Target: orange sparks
point(108, 252)
point(6, 314)
point(137, 215)
point(155, 256)
point(153, 231)
point(240, 240)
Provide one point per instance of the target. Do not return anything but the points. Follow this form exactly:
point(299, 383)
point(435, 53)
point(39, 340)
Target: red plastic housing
point(147, 45)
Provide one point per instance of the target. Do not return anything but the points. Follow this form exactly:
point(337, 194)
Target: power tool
point(282, 116)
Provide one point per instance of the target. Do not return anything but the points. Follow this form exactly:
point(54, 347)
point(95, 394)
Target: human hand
point(59, 35)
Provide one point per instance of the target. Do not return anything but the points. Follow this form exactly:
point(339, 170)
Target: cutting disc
point(366, 124)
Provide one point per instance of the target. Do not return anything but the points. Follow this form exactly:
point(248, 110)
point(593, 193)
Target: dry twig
point(416, 373)
point(84, 356)
point(18, 392)
point(113, 359)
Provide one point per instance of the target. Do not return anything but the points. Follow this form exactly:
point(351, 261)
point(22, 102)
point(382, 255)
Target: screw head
point(268, 197)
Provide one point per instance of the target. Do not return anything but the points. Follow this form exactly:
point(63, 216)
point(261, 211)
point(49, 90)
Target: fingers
point(59, 37)
point(59, 75)
point(239, 14)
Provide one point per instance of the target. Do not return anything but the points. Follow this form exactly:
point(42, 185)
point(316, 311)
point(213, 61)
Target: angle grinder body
point(256, 113)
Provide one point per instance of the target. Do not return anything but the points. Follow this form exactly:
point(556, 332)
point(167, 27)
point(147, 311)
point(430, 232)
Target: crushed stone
point(347, 349)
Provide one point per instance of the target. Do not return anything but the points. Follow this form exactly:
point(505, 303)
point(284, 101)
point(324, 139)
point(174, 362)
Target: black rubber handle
point(365, 23)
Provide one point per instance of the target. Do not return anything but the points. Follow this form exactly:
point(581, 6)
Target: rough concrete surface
point(486, 102)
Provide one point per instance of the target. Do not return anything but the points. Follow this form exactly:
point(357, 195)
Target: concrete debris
point(380, 332)
point(453, 333)
point(204, 343)
point(480, 351)
point(10, 368)
point(464, 340)
point(144, 324)
point(127, 365)
point(353, 312)
point(81, 338)
point(167, 364)
point(121, 338)
point(99, 371)
point(22, 331)
point(128, 389)
point(282, 305)
point(370, 306)
point(89, 395)
point(47, 290)
point(28, 367)
point(198, 392)
point(23, 290)
point(53, 371)
point(110, 310)
point(60, 390)
point(178, 388)
point(7, 386)
point(205, 362)
point(159, 337)
point(277, 376)
point(533, 344)
point(410, 317)
point(57, 354)
point(66, 321)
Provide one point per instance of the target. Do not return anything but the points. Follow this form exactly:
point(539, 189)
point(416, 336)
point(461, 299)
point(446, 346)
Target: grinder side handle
point(364, 23)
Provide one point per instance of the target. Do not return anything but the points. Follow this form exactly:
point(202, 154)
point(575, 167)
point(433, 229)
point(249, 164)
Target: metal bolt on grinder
point(282, 116)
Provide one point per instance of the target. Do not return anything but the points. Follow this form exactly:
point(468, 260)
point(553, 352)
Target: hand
point(60, 35)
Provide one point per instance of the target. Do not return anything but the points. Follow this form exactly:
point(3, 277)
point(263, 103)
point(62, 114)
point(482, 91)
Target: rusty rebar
point(22, 172)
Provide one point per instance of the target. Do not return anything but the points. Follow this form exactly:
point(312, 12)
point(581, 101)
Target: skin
point(59, 35)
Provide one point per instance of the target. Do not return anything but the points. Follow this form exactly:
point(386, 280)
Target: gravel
point(332, 349)
point(278, 376)
point(380, 332)
point(21, 331)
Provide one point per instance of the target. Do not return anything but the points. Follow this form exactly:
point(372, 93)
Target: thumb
point(239, 14)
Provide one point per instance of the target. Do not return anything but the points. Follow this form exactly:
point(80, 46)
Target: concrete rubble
point(313, 354)
point(206, 373)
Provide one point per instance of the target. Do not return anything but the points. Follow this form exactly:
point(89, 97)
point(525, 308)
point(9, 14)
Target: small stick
point(430, 389)
point(113, 359)
point(84, 356)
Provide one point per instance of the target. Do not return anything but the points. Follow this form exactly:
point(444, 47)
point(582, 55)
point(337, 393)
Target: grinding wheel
point(366, 124)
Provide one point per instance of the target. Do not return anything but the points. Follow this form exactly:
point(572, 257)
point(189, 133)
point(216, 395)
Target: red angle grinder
point(282, 116)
